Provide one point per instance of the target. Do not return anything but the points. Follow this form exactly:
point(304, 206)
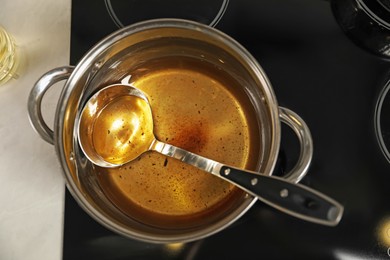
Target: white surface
point(31, 183)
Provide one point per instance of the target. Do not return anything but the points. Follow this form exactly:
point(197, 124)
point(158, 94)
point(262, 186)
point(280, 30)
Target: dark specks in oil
point(194, 115)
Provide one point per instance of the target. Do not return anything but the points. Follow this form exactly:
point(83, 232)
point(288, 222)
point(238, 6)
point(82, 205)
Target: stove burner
point(126, 12)
point(382, 120)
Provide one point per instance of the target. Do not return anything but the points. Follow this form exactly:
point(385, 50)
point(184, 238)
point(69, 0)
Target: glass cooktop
point(317, 72)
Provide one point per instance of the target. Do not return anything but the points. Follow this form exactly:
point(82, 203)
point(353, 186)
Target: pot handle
point(302, 131)
point(35, 100)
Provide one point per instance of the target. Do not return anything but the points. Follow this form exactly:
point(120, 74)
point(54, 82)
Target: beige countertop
point(31, 184)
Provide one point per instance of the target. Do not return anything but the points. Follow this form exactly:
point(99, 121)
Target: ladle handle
point(294, 199)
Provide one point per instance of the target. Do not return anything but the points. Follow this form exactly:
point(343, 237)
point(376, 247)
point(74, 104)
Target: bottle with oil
point(8, 57)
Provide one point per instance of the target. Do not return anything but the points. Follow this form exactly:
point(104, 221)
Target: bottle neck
point(378, 10)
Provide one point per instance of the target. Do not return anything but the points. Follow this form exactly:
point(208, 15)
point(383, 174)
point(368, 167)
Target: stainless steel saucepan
point(126, 50)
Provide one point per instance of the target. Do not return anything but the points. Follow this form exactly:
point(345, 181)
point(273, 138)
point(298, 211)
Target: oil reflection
point(174, 248)
point(383, 232)
point(187, 251)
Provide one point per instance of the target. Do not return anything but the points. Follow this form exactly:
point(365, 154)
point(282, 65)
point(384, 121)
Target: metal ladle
point(114, 133)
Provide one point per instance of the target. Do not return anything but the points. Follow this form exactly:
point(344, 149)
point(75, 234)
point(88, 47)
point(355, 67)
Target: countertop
point(31, 184)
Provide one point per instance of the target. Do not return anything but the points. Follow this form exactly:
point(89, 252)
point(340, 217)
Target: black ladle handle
point(294, 199)
point(288, 197)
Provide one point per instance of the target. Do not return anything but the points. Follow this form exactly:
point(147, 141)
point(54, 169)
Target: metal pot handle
point(306, 144)
point(35, 99)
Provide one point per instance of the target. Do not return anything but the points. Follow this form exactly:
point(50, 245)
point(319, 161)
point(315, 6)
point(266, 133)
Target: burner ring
point(382, 127)
point(120, 24)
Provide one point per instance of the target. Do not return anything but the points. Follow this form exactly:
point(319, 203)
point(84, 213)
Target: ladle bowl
point(116, 127)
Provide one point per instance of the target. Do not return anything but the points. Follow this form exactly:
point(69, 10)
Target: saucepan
point(209, 96)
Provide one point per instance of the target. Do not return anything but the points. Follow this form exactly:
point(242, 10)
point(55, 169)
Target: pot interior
point(208, 95)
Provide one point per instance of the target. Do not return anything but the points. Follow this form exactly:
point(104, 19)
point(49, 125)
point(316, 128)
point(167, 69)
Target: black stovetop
point(333, 85)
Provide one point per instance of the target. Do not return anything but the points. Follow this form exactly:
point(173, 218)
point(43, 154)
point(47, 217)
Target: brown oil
point(200, 108)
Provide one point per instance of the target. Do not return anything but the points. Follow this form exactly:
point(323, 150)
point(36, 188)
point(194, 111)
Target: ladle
point(114, 133)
